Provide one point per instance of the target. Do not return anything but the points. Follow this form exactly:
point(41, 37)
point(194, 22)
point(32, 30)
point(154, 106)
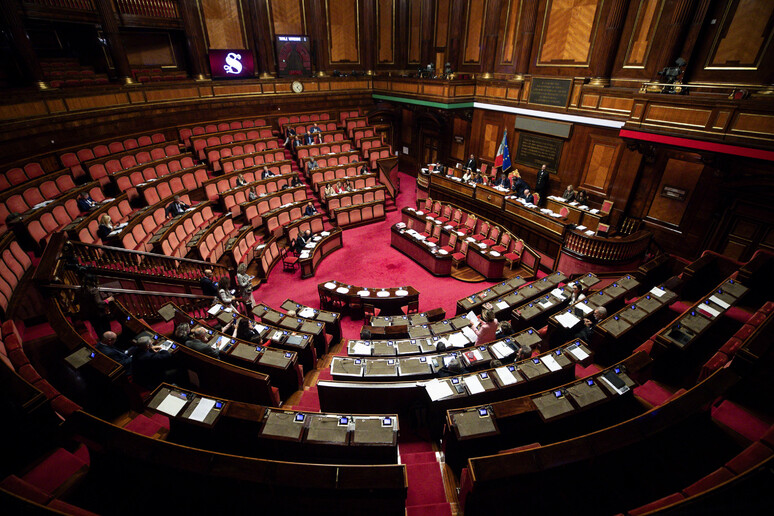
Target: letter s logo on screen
point(233, 63)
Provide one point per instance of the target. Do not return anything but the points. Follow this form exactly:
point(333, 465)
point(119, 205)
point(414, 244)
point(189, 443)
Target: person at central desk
point(471, 164)
point(302, 239)
point(266, 173)
point(487, 330)
point(527, 196)
point(589, 323)
point(478, 179)
point(518, 184)
point(503, 182)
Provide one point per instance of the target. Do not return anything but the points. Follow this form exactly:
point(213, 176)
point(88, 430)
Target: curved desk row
point(317, 249)
point(389, 300)
point(437, 262)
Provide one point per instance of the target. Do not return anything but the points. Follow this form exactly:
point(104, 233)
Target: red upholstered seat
point(59, 467)
point(749, 458)
point(20, 487)
point(733, 417)
point(717, 361)
point(731, 346)
point(715, 478)
point(652, 393)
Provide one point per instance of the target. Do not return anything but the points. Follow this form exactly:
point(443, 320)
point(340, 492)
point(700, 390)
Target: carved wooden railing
point(595, 249)
point(388, 175)
point(149, 8)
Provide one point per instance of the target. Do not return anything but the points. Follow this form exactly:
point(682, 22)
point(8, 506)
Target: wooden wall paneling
point(474, 27)
point(528, 21)
point(607, 41)
point(601, 164)
point(318, 33)
point(509, 26)
point(643, 32)
point(386, 13)
point(490, 35)
point(456, 34)
point(743, 37)
point(287, 16)
point(262, 36)
point(148, 48)
point(368, 42)
point(224, 23)
point(343, 23)
point(749, 226)
point(110, 29)
point(460, 137)
point(194, 38)
point(567, 33)
point(427, 54)
point(442, 12)
point(681, 177)
point(415, 32)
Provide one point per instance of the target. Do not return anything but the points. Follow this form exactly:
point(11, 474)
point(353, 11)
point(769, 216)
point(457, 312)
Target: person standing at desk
point(541, 187)
point(245, 284)
point(471, 164)
point(590, 322)
point(487, 330)
point(225, 295)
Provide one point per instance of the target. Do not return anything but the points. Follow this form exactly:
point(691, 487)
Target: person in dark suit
point(308, 139)
point(302, 239)
point(106, 347)
point(504, 182)
point(309, 210)
point(471, 163)
point(590, 322)
point(295, 182)
point(314, 129)
point(209, 287)
point(196, 340)
point(541, 187)
point(151, 365)
point(451, 367)
point(527, 196)
point(85, 202)
point(176, 207)
point(266, 173)
point(582, 198)
point(518, 185)
point(290, 134)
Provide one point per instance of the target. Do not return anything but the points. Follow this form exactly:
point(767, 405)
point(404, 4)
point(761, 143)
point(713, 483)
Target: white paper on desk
point(580, 228)
point(438, 390)
point(583, 207)
point(505, 376)
point(595, 211)
point(474, 384)
point(558, 293)
point(615, 389)
point(574, 203)
point(567, 319)
point(720, 302)
point(590, 233)
point(657, 292)
point(470, 334)
point(473, 319)
point(221, 343)
point(578, 353)
point(502, 305)
point(304, 254)
point(709, 310)
point(502, 350)
point(306, 313)
point(545, 304)
point(420, 212)
point(550, 363)
point(361, 348)
point(171, 405)
point(215, 309)
point(202, 409)
point(458, 340)
point(584, 307)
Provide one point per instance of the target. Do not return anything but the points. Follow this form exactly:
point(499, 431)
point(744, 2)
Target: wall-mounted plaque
point(550, 92)
point(536, 151)
point(673, 192)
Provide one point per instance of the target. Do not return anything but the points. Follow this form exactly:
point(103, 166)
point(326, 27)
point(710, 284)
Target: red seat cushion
point(143, 425)
point(17, 486)
point(55, 470)
point(733, 416)
point(652, 393)
point(646, 346)
point(715, 478)
point(756, 319)
point(731, 346)
point(717, 361)
point(750, 457)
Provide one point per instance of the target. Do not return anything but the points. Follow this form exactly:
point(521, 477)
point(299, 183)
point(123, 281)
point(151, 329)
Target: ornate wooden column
point(607, 43)
point(316, 21)
point(528, 20)
point(110, 29)
point(260, 34)
point(369, 44)
point(489, 46)
point(674, 35)
point(24, 54)
point(194, 39)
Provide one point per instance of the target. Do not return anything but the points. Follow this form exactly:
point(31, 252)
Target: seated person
point(151, 365)
point(577, 293)
point(197, 340)
point(209, 287)
point(266, 173)
point(348, 186)
point(85, 202)
point(340, 187)
point(582, 197)
point(329, 190)
point(504, 329)
point(302, 239)
point(312, 164)
point(225, 294)
point(504, 182)
point(569, 194)
point(241, 181)
point(295, 182)
point(364, 170)
point(314, 129)
point(452, 367)
point(478, 178)
point(251, 195)
point(290, 133)
point(106, 346)
point(296, 142)
point(105, 226)
point(176, 207)
point(309, 210)
point(245, 330)
point(590, 322)
point(308, 139)
point(518, 184)
point(527, 196)
point(467, 176)
point(525, 351)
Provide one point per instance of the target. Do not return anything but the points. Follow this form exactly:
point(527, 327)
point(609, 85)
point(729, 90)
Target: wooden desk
point(321, 247)
point(437, 262)
point(389, 300)
point(485, 261)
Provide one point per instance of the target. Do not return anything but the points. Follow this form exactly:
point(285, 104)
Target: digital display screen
point(299, 417)
point(294, 57)
point(231, 63)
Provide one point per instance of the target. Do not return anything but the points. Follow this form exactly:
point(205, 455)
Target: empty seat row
point(242, 249)
point(360, 133)
point(18, 175)
point(142, 228)
point(25, 197)
point(174, 240)
point(54, 216)
point(322, 149)
point(213, 127)
point(199, 143)
point(242, 156)
point(185, 180)
point(126, 180)
point(356, 197)
point(278, 218)
point(73, 160)
point(305, 117)
point(254, 210)
point(344, 115)
point(359, 214)
point(14, 264)
point(101, 169)
point(304, 127)
point(213, 188)
point(354, 122)
point(212, 244)
point(374, 154)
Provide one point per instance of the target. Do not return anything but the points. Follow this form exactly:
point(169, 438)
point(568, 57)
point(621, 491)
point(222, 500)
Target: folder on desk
point(469, 334)
point(567, 319)
point(505, 376)
point(474, 384)
point(501, 350)
point(438, 390)
point(458, 340)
